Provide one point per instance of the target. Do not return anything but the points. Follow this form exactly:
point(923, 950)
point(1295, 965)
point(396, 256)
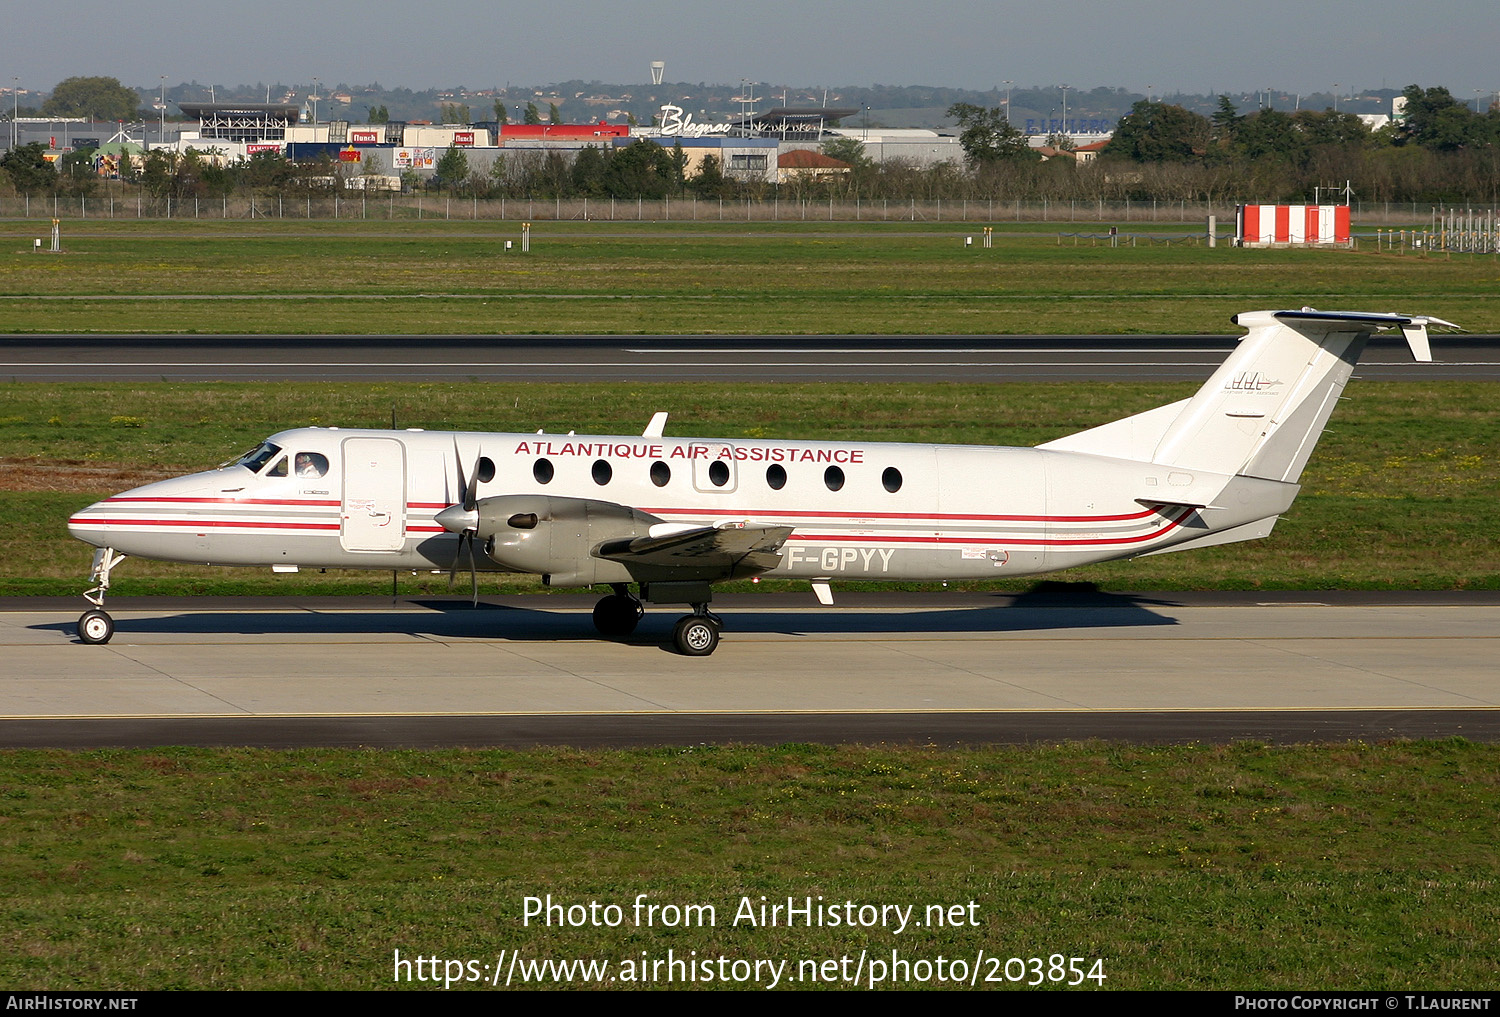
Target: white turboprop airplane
point(674, 515)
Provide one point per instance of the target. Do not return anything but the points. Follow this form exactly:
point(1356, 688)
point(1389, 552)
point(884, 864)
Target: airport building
point(751, 148)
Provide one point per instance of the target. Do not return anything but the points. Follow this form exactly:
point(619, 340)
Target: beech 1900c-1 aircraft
point(675, 515)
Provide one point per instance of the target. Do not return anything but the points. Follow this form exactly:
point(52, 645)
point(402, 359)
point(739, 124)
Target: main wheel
point(95, 626)
point(695, 636)
point(616, 615)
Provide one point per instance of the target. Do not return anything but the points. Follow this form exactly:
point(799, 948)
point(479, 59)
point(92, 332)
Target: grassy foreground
point(627, 278)
point(1399, 495)
point(1351, 866)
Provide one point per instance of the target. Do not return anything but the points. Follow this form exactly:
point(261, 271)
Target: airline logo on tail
point(1249, 381)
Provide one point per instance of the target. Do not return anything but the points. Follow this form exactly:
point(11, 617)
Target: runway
point(763, 358)
point(938, 668)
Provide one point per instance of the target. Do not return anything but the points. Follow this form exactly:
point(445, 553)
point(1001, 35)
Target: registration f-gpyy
point(672, 516)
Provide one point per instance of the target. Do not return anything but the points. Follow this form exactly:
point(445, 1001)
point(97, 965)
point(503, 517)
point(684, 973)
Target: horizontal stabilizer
point(1413, 327)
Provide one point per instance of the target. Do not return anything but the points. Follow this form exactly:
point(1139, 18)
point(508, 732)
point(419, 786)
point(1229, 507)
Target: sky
point(1302, 46)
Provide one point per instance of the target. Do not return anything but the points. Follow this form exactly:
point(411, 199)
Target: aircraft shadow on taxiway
point(1079, 607)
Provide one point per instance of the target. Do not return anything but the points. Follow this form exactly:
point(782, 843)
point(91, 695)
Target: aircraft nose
point(89, 524)
point(122, 520)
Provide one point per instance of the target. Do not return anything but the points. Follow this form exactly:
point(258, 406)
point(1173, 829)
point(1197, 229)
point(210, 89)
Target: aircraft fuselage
point(861, 510)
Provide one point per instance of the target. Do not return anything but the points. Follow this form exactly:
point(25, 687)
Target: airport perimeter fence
point(394, 206)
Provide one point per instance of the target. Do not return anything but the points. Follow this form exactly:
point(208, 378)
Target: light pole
point(161, 134)
point(1335, 96)
point(1065, 109)
point(314, 98)
point(1007, 101)
point(15, 110)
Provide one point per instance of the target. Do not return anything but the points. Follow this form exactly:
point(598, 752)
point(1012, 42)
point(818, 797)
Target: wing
point(704, 553)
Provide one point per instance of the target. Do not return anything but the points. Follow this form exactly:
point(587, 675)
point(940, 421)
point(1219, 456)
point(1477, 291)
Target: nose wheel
point(95, 626)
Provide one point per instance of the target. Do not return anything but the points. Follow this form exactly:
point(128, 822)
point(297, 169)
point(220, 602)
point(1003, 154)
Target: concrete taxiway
point(1071, 668)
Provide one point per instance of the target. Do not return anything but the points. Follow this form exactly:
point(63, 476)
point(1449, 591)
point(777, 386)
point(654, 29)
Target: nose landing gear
point(95, 625)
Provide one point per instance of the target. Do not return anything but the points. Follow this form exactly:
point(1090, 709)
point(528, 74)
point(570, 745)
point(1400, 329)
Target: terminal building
point(750, 148)
point(241, 130)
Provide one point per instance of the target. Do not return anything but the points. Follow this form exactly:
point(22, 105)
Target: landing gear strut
point(697, 634)
point(95, 625)
point(617, 615)
point(694, 635)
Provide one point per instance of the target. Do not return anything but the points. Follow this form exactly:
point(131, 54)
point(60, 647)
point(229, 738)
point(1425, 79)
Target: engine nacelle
point(555, 537)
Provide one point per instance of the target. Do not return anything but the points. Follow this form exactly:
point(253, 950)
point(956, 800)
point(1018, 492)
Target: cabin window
point(279, 470)
point(311, 464)
point(661, 473)
point(776, 476)
point(258, 457)
point(834, 478)
point(602, 472)
point(891, 478)
point(718, 473)
point(542, 471)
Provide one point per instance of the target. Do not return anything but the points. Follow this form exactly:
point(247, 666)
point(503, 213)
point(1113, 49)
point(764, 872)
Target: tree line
point(1442, 151)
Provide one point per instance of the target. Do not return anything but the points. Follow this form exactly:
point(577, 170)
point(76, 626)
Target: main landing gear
point(617, 615)
point(95, 625)
point(695, 635)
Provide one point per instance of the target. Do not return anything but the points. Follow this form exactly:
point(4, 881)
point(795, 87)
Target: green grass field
point(1356, 866)
point(455, 277)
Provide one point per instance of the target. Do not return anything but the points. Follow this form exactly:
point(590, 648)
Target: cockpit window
point(311, 464)
point(257, 458)
point(279, 470)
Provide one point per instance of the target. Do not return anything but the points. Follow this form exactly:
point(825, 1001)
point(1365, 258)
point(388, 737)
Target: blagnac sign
point(676, 123)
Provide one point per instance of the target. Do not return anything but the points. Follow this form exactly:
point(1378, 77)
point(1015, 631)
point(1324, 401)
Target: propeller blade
point(473, 572)
point(458, 464)
point(484, 472)
point(453, 572)
point(464, 522)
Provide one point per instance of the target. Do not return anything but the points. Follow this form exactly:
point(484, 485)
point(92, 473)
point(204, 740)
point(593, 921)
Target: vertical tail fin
point(1262, 412)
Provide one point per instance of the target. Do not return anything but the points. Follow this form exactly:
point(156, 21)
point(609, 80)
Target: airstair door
point(374, 502)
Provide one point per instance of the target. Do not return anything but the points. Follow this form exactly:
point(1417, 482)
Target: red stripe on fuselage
point(195, 523)
point(853, 518)
point(225, 501)
point(1172, 524)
